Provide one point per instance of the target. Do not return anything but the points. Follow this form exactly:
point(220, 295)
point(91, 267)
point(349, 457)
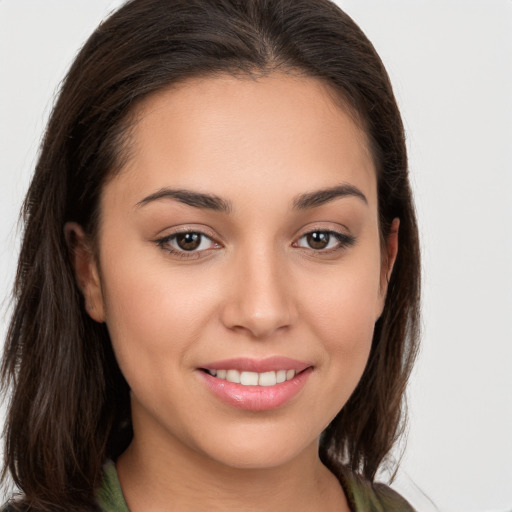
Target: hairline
point(124, 131)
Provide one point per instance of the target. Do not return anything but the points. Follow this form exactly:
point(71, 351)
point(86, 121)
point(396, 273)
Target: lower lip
point(256, 398)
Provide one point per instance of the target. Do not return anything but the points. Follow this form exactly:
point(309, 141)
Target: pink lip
point(257, 398)
point(258, 365)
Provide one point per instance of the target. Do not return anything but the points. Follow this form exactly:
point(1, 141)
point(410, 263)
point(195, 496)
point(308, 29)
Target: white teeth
point(233, 376)
point(267, 379)
point(253, 378)
point(249, 378)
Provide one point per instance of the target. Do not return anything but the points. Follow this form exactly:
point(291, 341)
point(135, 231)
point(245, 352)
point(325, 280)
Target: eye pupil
point(318, 240)
point(188, 241)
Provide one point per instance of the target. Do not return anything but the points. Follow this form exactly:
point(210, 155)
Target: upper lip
point(258, 365)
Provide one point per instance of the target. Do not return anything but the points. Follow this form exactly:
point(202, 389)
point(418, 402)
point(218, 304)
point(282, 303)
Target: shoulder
point(366, 496)
point(110, 495)
point(20, 505)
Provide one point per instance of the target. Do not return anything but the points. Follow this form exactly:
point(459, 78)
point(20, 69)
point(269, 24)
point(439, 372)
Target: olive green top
point(361, 495)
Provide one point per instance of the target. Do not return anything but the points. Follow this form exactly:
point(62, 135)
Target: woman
point(217, 293)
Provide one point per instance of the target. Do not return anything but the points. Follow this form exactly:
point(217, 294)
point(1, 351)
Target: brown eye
point(192, 244)
point(318, 239)
point(188, 241)
point(325, 241)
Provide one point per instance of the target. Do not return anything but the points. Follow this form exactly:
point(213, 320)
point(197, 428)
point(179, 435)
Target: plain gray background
point(451, 66)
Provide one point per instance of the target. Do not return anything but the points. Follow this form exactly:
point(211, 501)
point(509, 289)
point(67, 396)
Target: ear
point(86, 270)
point(390, 252)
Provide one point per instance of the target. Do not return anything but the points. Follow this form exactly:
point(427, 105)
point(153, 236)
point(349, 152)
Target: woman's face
point(240, 242)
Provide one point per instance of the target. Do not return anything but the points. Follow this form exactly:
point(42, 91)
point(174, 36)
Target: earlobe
point(388, 261)
point(86, 270)
point(392, 248)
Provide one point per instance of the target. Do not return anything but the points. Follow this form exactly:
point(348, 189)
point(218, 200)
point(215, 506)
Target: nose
point(259, 298)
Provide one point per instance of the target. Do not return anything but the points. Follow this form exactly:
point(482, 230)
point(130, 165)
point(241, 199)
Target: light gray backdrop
point(451, 64)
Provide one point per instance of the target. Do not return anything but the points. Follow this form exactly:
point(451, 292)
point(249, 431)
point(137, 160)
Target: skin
point(255, 288)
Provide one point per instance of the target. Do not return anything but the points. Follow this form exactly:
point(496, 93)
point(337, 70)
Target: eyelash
point(344, 241)
point(164, 244)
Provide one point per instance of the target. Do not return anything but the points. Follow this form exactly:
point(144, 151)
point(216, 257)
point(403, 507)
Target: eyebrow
point(216, 203)
point(320, 197)
point(190, 198)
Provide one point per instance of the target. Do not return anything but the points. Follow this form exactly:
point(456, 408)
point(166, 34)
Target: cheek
point(341, 311)
point(346, 329)
point(345, 303)
point(153, 313)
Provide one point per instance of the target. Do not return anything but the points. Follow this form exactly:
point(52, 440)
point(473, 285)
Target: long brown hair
point(69, 406)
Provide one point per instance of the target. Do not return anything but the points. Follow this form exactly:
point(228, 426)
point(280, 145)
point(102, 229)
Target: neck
point(171, 476)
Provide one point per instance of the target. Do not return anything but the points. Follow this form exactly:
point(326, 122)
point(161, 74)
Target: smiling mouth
point(256, 385)
point(246, 378)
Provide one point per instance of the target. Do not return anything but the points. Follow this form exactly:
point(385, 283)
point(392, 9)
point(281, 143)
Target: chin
point(260, 452)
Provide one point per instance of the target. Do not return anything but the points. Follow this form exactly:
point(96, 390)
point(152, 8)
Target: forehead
point(222, 134)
